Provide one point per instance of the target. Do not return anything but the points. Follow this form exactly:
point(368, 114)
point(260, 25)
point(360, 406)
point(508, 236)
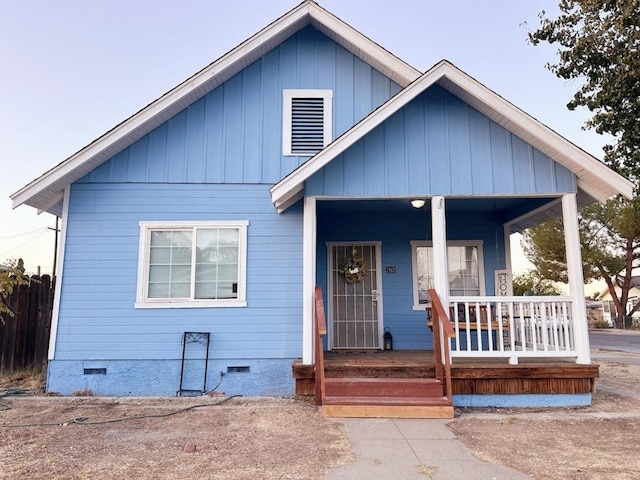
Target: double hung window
point(466, 273)
point(192, 264)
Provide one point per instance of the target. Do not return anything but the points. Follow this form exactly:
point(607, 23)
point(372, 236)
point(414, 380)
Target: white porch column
point(439, 238)
point(507, 247)
point(309, 223)
point(575, 276)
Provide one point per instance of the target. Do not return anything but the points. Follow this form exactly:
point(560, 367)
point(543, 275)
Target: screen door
point(355, 296)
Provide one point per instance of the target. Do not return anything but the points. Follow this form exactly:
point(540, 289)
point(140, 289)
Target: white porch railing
point(512, 327)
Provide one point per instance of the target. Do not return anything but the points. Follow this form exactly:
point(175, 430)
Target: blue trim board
point(267, 377)
point(523, 400)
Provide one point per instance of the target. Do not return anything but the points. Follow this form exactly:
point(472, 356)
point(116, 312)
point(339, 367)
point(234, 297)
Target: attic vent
point(307, 125)
point(307, 121)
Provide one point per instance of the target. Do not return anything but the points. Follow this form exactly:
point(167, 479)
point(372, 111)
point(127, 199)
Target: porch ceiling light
point(417, 203)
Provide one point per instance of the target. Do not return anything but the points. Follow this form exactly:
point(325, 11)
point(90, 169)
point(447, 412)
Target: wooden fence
point(24, 338)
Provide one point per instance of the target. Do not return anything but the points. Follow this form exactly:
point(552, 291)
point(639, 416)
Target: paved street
point(615, 345)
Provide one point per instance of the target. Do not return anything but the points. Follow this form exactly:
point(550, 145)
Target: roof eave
point(594, 177)
point(295, 180)
point(52, 183)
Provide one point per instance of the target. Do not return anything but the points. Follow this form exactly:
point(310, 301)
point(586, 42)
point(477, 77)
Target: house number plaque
point(390, 270)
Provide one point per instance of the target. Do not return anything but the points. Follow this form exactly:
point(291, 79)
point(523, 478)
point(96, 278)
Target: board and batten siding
point(98, 319)
point(234, 134)
point(439, 145)
point(396, 230)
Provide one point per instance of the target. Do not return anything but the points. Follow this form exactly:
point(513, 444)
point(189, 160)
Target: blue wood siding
point(438, 145)
point(234, 134)
point(371, 221)
point(98, 319)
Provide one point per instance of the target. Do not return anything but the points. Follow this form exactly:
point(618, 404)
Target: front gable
point(594, 180)
point(439, 145)
point(233, 134)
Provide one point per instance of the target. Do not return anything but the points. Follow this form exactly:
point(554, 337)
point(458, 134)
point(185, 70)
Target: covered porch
point(499, 349)
point(417, 202)
point(405, 251)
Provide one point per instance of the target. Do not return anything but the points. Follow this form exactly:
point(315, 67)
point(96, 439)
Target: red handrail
point(442, 332)
point(321, 329)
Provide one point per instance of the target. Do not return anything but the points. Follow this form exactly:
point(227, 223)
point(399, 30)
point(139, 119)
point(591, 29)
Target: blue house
point(195, 232)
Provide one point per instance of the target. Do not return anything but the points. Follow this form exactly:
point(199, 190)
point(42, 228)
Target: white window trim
point(287, 96)
point(452, 243)
point(143, 265)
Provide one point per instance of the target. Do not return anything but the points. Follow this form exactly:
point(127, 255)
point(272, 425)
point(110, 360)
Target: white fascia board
point(362, 46)
point(567, 153)
point(171, 98)
point(285, 203)
point(295, 180)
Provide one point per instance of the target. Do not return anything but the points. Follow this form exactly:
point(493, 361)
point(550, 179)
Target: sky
point(73, 69)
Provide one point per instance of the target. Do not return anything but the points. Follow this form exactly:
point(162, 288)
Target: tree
point(599, 44)
point(530, 283)
point(11, 275)
point(610, 239)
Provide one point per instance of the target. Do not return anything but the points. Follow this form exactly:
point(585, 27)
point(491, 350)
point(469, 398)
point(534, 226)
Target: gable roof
point(46, 192)
point(595, 179)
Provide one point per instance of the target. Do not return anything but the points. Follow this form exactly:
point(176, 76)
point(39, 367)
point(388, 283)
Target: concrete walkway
point(405, 449)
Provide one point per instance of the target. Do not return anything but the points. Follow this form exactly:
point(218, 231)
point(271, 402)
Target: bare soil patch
point(242, 438)
point(596, 442)
point(250, 438)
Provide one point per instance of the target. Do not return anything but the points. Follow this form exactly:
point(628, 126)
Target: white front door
point(355, 296)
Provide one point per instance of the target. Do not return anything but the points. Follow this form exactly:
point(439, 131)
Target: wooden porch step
point(383, 387)
point(394, 408)
point(387, 407)
point(385, 400)
point(380, 371)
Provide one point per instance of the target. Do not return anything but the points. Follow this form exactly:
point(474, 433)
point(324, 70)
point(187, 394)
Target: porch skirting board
point(523, 400)
point(265, 377)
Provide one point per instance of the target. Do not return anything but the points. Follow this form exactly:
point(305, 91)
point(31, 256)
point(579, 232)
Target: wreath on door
point(353, 268)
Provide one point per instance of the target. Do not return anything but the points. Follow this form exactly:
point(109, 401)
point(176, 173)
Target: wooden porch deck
point(469, 376)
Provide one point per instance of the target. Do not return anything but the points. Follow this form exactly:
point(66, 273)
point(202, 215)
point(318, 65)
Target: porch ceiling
point(506, 209)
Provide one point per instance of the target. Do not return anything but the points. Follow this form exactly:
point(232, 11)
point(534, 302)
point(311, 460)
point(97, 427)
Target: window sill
point(192, 304)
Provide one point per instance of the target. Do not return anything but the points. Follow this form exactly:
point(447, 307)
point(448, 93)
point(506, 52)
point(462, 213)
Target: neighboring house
point(291, 162)
point(609, 308)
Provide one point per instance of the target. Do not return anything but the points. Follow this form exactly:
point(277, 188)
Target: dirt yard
point(82, 438)
point(597, 442)
point(248, 438)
